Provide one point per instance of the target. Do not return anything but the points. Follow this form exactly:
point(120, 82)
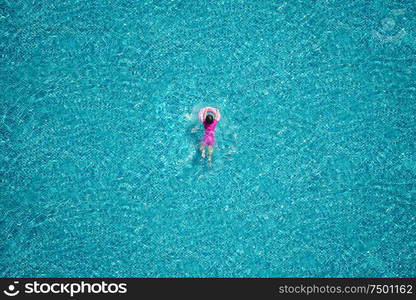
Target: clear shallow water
point(314, 171)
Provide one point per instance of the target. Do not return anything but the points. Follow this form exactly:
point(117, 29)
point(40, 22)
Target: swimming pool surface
point(314, 172)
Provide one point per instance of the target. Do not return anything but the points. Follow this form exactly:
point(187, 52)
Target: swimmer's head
point(209, 119)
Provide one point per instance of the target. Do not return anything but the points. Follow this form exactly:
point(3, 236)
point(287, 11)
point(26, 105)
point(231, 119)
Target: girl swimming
point(209, 116)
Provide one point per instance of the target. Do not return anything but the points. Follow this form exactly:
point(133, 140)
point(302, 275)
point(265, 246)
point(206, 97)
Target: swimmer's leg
point(202, 148)
point(210, 151)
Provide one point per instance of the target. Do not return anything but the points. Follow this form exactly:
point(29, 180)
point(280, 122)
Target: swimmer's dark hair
point(209, 119)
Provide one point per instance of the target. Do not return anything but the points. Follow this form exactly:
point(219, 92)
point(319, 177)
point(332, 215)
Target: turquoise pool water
point(314, 170)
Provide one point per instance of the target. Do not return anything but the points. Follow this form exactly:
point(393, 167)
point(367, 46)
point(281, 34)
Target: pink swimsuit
point(209, 135)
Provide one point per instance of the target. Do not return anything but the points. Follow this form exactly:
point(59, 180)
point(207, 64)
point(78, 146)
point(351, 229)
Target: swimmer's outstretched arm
point(217, 115)
point(217, 112)
point(206, 109)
